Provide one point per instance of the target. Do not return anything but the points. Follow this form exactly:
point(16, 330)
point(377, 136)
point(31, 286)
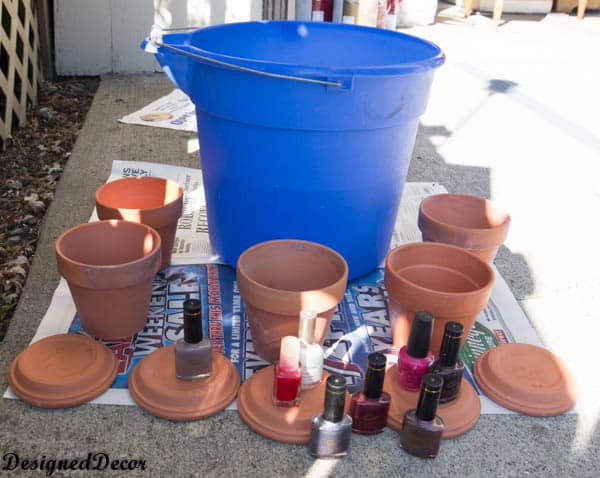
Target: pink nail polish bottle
point(414, 359)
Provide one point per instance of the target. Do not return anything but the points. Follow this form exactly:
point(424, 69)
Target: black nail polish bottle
point(448, 366)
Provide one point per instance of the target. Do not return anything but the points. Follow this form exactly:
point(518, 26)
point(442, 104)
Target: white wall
point(103, 36)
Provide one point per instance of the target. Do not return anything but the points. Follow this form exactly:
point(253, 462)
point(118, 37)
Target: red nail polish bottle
point(415, 360)
point(369, 408)
point(288, 374)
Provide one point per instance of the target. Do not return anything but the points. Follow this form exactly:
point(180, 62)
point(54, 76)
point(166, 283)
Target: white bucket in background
point(510, 6)
point(416, 12)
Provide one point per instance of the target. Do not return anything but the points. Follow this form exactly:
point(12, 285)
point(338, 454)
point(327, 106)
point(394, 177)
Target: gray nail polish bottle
point(331, 431)
point(193, 353)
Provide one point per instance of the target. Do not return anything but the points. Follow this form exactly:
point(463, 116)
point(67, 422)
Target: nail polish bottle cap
point(420, 335)
point(450, 348)
point(375, 375)
point(335, 398)
point(306, 326)
point(429, 397)
point(289, 353)
point(192, 321)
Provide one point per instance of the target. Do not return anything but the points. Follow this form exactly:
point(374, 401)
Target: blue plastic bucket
point(323, 160)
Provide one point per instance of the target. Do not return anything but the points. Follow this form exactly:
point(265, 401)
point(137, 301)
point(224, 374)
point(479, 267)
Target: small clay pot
point(445, 280)
point(109, 266)
point(155, 202)
point(470, 222)
point(279, 278)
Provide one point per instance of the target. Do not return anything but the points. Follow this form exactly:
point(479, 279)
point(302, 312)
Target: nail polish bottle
point(369, 408)
point(288, 375)
point(330, 431)
point(422, 429)
point(414, 359)
point(448, 366)
point(193, 353)
point(311, 354)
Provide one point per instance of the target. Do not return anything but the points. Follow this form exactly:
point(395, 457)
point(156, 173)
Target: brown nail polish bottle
point(193, 353)
point(422, 429)
point(448, 366)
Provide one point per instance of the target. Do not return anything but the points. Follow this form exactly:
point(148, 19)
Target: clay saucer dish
point(526, 379)
point(154, 386)
point(459, 415)
point(62, 371)
point(282, 424)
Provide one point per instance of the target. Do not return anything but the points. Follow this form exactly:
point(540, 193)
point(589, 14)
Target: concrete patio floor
point(514, 116)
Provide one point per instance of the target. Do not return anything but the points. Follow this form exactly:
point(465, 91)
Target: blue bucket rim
point(182, 41)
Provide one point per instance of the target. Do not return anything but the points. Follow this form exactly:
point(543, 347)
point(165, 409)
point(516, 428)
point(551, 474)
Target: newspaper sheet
point(360, 324)
point(173, 111)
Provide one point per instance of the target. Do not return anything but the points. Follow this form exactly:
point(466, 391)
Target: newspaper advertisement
point(173, 111)
point(360, 324)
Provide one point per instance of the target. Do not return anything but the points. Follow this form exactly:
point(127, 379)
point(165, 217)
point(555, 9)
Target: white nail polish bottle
point(311, 354)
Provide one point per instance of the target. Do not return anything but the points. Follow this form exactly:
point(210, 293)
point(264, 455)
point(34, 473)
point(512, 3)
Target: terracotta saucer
point(155, 388)
point(62, 371)
point(283, 424)
point(459, 415)
point(525, 378)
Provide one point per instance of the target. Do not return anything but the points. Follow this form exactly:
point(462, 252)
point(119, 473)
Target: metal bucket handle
point(155, 39)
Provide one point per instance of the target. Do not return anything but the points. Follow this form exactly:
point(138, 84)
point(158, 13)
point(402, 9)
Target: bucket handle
point(156, 39)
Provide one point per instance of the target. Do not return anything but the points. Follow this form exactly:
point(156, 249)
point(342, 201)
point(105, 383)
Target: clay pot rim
point(139, 178)
point(487, 237)
point(155, 249)
point(292, 293)
point(413, 245)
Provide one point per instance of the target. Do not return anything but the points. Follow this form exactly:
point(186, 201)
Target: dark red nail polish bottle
point(369, 408)
point(422, 429)
point(288, 375)
point(415, 360)
point(448, 366)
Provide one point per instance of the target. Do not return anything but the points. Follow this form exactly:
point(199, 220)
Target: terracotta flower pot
point(155, 202)
point(447, 281)
point(279, 278)
point(470, 222)
point(109, 266)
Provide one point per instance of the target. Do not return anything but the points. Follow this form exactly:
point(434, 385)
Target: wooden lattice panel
point(19, 62)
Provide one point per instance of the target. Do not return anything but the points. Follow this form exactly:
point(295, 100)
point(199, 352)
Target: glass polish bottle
point(422, 429)
point(369, 408)
point(287, 375)
point(193, 353)
point(331, 430)
point(448, 366)
point(414, 359)
point(311, 354)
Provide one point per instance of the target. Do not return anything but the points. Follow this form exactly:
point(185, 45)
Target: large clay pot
point(446, 280)
point(470, 222)
point(279, 278)
point(109, 266)
point(155, 202)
